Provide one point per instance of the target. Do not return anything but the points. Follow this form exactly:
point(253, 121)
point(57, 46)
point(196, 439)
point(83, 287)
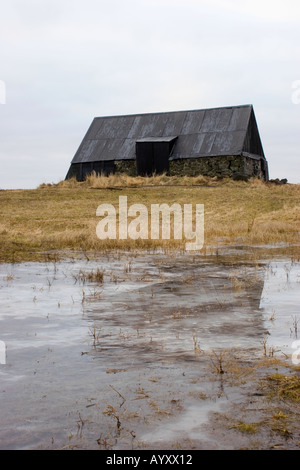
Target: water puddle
point(126, 361)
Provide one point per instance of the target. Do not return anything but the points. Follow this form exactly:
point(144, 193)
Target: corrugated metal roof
point(201, 133)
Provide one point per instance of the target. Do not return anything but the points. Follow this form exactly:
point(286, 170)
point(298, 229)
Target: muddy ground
point(150, 351)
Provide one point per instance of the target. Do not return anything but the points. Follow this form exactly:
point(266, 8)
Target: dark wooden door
point(152, 157)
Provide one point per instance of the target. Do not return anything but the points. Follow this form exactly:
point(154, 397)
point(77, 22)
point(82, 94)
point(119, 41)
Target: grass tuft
point(284, 387)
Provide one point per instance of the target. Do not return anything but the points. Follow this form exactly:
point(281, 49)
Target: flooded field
point(149, 350)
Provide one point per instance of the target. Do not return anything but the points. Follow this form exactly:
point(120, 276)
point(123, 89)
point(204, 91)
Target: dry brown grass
point(284, 387)
point(62, 217)
point(97, 181)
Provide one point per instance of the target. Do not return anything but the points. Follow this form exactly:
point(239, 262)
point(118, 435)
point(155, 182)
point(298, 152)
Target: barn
point(212, 142)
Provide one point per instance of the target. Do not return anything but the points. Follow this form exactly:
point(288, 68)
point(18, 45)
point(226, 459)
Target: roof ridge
point(173, 112)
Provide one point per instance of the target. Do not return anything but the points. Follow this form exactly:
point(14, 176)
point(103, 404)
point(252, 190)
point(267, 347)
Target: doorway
point(152, 155)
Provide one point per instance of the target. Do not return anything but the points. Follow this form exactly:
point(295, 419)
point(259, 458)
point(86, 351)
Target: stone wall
point(237, 167)
point(126, 166)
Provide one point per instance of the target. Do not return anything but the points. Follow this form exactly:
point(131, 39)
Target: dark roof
point(158, 139)
point(200, 133)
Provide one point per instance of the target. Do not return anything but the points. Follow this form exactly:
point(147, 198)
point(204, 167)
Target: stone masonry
point(236, 167)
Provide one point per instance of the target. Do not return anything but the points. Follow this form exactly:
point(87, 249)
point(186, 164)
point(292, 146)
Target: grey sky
point(65, 62)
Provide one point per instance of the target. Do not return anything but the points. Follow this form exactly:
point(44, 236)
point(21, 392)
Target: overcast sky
point(64, 62)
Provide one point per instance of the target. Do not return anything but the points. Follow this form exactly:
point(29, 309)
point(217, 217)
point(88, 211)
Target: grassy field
point(62, 217)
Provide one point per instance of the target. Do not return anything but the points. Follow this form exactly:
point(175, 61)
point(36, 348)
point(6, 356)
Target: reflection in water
point(218, 304)
point(74, 345)
point(280, 303)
